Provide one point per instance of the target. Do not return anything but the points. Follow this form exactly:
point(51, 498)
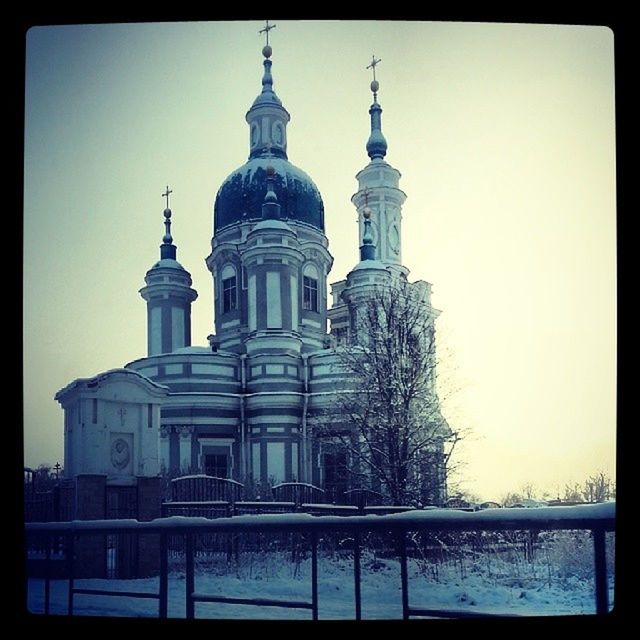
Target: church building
point(246, 406)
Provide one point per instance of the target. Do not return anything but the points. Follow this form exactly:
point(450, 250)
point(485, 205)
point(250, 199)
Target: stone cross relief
point(122, 412)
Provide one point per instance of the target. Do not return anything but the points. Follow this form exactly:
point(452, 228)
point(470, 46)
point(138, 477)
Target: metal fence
point(596, 519)
point(55, 504)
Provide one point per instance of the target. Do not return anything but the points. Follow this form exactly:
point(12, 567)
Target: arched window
point(310, 288)
point(229, 289)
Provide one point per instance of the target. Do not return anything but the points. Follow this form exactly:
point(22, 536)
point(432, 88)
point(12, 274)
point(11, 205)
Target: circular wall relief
point(120, 454)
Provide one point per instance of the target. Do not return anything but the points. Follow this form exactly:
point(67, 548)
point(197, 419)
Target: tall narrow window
point(149, 415)
point(229, 294)
point(216, 465)
point(94, 411)
point(309, 294)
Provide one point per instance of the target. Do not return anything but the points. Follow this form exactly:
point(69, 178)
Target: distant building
point(243, 406)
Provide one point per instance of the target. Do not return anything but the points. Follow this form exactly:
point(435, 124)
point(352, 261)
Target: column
point(185, 447)
point(164, 448)
point(90, 559)
point(149, 501)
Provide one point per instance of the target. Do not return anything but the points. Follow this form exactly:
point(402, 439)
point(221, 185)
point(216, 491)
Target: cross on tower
point(267, 28)
point(373, 65)
point(166, 195)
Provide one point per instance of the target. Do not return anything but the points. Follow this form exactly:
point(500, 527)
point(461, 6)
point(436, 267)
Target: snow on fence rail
point(598, 519)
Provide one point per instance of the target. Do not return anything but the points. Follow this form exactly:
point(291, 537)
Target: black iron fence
point(203, 488)
point(297, 492)
point(400, 528)
point(55, 504)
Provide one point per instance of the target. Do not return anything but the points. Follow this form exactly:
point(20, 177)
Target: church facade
point(247, 406)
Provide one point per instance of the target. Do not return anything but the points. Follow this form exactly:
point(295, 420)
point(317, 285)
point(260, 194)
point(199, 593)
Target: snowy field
point(558, 582)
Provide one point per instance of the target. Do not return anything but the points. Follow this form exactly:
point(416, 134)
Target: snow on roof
point(168, 263)
point(100, 377)
point(296, 484)
point(194, 349)
point(370, 264)
point(204, 475)
point(278, 225)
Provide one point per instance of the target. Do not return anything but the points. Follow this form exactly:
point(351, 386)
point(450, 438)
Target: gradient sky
point(504, 135)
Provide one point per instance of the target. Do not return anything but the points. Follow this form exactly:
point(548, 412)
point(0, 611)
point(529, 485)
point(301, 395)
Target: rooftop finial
point(166, 195)
point(376, 145)
point(266, 50)
point(375, 85)
point(267, 118)
point(167, 248)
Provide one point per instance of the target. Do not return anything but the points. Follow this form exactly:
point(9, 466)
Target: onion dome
point(241, 195)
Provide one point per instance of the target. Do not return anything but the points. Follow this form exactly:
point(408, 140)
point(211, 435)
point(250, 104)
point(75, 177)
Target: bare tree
point(388, 415)
point(598, 488)
point(572, 493)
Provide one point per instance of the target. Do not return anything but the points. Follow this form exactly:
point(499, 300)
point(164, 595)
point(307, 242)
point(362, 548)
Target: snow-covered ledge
point(592, 516)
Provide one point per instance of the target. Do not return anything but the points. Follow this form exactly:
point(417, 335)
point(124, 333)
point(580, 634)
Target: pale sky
point(504, 135)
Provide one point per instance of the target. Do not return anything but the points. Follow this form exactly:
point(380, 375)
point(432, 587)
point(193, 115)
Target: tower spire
point(267, 118)
point(267, 28)
point(167, 248)
point(376, 144)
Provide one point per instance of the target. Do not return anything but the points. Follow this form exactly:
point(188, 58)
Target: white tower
point(169, 296)
point(378, 190)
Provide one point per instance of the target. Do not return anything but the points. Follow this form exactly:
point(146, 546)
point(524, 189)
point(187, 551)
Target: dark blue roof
point(241, 195)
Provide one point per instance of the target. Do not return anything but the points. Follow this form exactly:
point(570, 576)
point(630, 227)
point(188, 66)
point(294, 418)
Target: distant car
point(489, 504)
point(528, 504)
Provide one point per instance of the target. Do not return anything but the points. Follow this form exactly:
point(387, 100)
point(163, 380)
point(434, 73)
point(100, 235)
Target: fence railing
point(598, 519)
point(203, 488)
point(297, 492)
point(223, 509)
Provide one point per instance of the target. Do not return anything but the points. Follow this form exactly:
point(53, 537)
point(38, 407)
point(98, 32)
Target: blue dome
point(241, 195)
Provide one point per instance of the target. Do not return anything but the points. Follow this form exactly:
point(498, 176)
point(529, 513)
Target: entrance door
point(336, 475)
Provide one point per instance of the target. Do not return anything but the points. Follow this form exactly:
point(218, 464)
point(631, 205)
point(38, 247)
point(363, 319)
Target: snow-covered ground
point(490, 585)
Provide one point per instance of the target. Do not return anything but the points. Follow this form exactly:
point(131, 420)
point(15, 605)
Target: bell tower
point(378, 191)
point(169, 296)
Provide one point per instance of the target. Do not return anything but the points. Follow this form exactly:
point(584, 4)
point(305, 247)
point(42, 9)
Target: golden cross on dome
point(267, 28)
point(373, 65)
point(166, 195)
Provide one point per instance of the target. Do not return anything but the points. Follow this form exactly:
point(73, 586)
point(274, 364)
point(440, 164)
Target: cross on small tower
point(57, 468)
point(373, 65)
point(267, 28)
point(166, 195)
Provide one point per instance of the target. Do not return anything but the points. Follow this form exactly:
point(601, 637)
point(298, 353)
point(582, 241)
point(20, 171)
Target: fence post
point(70, 553)
point(600, 559)
point(189, 579)
point(47, 573)
point(402, 543)
point(356, 573)
point(164, 577)
point(314, 575)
